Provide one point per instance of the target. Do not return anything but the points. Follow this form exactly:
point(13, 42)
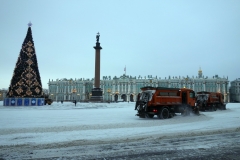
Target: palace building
point(126, 88)
point(235, 90)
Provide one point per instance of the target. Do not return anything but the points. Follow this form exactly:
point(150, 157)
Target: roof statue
point(97, 37)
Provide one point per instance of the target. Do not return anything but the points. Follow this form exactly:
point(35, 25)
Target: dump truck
point(210, 101)
point(165, 102)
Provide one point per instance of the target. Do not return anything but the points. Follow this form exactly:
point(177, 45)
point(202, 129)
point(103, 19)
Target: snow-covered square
point(102, 130)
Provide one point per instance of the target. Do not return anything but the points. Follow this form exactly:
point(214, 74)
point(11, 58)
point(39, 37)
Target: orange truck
point(165, 102)
point(210, 101)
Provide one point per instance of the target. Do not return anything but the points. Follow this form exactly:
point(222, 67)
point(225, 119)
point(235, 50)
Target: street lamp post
point(73, 93)
point(52, 96)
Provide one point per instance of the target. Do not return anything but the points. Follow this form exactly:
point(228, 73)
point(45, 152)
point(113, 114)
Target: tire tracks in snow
point(139, 123)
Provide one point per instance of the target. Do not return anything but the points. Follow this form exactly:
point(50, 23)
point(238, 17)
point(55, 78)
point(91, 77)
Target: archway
point(131, 98)
point(115, 97)
point(66, 97)
point(124, 97)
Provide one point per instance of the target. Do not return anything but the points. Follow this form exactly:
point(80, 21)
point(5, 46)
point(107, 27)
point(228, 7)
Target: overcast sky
point(158, 37)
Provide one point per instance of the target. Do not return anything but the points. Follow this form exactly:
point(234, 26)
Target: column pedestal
point(96, 95)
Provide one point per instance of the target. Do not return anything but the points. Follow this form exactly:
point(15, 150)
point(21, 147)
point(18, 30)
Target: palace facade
point(126, 88)
point(235, 90)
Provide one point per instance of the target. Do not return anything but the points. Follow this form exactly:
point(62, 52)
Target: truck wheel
point(214, 108)
point(171, 115)
point(196, 111)
point(164, 113)
point(224, 107)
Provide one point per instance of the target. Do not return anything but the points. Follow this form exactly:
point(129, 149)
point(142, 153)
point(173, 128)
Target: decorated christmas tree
point(26, 81)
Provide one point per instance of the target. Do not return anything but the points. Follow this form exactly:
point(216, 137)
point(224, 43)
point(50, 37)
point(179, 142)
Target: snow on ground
point(103, 122)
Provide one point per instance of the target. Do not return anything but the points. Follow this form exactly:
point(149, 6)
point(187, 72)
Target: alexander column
point(97, 91)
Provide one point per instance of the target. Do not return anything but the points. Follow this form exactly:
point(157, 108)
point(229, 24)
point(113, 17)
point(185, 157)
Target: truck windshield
point(202, 97)
point(147, 95)
point(192, 94)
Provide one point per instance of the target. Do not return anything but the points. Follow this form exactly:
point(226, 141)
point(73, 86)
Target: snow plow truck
point(210, 101)
point(165, 102)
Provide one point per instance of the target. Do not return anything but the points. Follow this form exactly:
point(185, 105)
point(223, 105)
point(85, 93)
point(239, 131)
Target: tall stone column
point(97, 91)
